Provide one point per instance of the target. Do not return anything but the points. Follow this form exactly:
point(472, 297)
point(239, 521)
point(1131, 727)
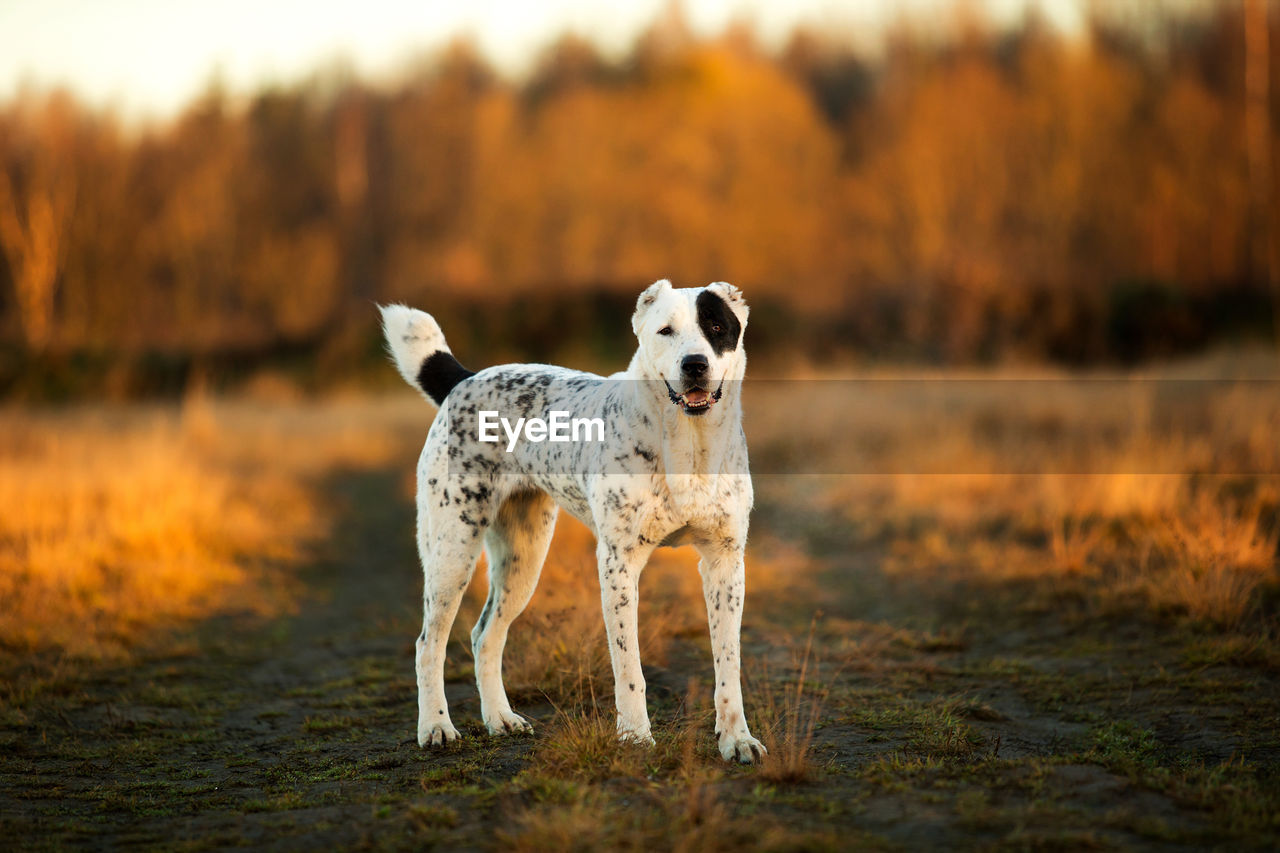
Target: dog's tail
point(419, 350)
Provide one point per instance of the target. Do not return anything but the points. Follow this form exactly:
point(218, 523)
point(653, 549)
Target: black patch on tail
point(439, 373)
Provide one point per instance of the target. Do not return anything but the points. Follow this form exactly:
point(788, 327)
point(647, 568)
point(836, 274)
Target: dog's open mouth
point(695, 401)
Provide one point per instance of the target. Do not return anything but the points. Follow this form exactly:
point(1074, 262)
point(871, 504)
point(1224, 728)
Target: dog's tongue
point(695, 396)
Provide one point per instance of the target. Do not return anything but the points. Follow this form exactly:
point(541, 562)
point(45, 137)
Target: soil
point(951, 717)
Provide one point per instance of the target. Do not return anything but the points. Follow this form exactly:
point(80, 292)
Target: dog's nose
point(694, 366)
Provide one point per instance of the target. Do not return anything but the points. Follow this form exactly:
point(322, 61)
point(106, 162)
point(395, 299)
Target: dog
point(669, 467)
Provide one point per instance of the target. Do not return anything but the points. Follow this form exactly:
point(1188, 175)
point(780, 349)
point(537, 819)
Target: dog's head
point(691, 339)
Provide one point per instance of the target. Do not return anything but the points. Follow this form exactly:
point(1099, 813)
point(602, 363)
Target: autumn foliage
point(968, 194)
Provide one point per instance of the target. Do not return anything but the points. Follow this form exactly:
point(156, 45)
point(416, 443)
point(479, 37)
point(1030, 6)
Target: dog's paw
point(437, 735)
point(742, 748)
point(507, 723)
point(639, 738)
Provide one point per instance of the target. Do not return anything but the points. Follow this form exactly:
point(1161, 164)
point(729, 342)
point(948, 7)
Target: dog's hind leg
point(449, 548)
point(516, 546)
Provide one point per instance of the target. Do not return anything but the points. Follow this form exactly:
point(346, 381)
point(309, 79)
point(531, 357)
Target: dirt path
point(951, 719)
point(958, 716)
point(288, 733)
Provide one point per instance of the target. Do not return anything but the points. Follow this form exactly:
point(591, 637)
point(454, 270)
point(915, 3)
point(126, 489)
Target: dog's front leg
point(724, 587)
point(620, 567)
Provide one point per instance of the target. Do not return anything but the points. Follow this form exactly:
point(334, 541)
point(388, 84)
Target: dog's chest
point(695, 508)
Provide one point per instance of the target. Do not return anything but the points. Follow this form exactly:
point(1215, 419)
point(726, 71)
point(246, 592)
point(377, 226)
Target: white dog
point(668, 466)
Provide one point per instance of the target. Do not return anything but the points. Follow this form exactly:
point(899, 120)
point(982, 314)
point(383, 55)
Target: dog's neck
point(701, 445)
point(694, 444)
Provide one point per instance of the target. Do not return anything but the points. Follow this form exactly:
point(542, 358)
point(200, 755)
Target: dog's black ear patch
point(439, 373)
point(719, 325)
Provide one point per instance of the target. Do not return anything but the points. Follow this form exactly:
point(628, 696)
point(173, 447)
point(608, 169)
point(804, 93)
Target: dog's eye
point(665, 330)
point(715, 328)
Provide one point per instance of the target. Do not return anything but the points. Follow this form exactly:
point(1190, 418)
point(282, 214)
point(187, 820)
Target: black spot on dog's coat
point(713, 313)
point(439, 373)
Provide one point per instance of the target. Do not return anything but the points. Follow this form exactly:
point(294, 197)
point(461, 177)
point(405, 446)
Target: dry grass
point(1164, 491)
point(1207, 552)
point(119, 520)
point(588, 791)
point(581, 742)
point(1215, 557)
point(633, 814)
point(789, 716)
point(696, 822)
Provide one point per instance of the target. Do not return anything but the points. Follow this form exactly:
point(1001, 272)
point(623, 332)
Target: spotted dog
point(671, 470)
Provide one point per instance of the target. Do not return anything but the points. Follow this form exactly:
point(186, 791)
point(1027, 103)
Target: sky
point(149, 57)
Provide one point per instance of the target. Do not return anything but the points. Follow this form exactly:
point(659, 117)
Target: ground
point(905, 709)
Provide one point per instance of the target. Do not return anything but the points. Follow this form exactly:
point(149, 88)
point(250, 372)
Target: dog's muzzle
point(695, 401)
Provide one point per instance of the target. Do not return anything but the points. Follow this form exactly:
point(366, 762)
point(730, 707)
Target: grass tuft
point(790, 721)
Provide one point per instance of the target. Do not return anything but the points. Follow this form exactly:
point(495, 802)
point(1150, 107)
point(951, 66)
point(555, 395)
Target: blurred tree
point(718, 168)
point(186, 184)
point(288, 270)
point(974, 192)
point(431, 148)
point(1261, 146)
point(570, 62)
point(38, 145)
point(667, 40)
point(839, 81)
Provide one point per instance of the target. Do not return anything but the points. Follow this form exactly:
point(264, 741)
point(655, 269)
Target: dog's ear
point(645, 302)
point(733, 296)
